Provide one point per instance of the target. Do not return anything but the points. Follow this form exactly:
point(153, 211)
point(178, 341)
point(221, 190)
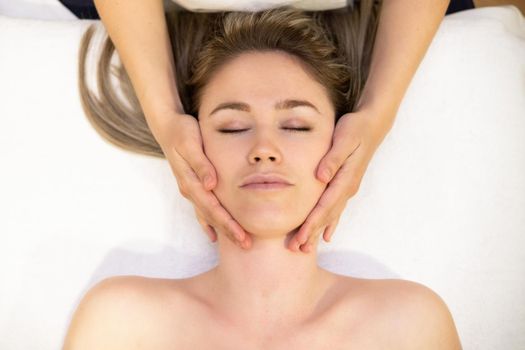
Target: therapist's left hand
point(356, 137)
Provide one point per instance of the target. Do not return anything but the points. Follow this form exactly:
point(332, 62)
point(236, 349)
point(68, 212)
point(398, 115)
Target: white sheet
point(36, 9)
point(442, 202)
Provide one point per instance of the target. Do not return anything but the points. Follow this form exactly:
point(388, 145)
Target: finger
point(209, 208)
point(214, 235)
point(319, 217)
point(346, 139)
point(340, 151)
point(332, 201)
point(214, 213)
point(211, 233)
point(207, 228)
point(311, 243)
point(190, 147)
point(184, 174)
point(313, 240)
point(200, 164)
point(327, 235)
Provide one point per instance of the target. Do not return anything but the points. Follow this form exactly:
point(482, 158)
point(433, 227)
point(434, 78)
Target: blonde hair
point(335, 46)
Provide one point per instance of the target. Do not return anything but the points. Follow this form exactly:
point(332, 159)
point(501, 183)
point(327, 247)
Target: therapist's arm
point(405, 30)
point(139, 32)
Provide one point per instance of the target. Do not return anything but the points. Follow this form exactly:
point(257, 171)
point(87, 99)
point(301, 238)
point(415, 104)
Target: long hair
point(334, 45)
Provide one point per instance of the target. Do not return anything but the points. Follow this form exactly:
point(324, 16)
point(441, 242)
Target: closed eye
point(297, 129)
point(231, 131)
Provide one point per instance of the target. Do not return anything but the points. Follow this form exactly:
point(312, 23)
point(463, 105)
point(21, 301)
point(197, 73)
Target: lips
point(269, 179)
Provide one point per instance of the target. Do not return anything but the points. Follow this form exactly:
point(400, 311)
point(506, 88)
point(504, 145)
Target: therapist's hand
point(180, 139)
point(356, 137)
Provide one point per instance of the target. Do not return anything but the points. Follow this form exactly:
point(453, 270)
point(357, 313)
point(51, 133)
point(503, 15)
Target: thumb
point(202, 166)
point(192, 151)
point(344, 145)
point(331, 162)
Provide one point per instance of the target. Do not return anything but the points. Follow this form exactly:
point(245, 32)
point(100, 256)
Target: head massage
point(326, 55)
point(100, 219)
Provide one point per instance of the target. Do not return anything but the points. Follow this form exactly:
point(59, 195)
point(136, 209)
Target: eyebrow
point(280, 105)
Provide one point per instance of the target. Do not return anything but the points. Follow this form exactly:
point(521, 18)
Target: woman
point(405, 30)
point(268, 89)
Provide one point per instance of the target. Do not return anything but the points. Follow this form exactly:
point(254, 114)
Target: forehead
point(264, 78)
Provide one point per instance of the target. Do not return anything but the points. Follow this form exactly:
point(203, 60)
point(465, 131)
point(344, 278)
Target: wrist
point(381, 112)
point(159, 112)
point(156, 106)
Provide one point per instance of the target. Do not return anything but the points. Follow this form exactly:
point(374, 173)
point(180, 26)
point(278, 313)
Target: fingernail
point(207, 181)
point(326, 175)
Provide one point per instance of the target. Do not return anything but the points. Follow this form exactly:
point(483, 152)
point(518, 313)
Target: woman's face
point(265, 140)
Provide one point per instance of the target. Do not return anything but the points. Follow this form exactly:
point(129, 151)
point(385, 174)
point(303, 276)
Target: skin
point(268, 142)
point(266, 145)
point(405, 31)
point(267, 297)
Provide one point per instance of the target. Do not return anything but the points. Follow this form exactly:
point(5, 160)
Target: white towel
point(254, 5)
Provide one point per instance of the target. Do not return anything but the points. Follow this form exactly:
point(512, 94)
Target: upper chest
point(341, 328)
point(182, 322)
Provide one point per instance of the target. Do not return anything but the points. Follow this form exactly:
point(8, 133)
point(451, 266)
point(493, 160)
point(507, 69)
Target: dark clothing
point(459, 5)
point(85, 9)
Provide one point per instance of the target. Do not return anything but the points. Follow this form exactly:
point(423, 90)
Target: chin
point(272, 216)
point(270, 228)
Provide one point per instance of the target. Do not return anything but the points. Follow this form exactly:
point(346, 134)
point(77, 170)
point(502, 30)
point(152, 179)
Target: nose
point(265, 149)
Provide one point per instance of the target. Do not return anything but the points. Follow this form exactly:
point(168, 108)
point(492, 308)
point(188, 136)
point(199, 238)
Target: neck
point(267, 282)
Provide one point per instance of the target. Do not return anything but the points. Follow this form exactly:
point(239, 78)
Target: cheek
point(307, 155)
point(225, 159)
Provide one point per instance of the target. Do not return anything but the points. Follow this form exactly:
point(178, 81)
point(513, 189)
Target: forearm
point(405, 31)
point(138, 30)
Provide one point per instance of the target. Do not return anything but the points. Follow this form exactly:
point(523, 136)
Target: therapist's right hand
point(179, 137)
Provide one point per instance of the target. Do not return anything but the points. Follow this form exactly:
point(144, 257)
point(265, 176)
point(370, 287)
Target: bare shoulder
point(409, 314)
point(111, 314)
point(424, 316)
